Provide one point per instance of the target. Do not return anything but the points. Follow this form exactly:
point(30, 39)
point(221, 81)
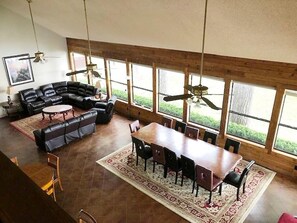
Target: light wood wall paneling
point(275, 115)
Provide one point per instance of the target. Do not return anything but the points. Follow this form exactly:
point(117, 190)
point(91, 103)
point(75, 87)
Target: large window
point(250, 111)
point(170, 83)
point(118, 79)
point(199, 112)
point(100, 82)
point(286, 139)
point(142, 85)
point(79, 63)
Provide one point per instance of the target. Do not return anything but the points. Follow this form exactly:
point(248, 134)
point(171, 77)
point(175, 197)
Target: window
point(170, 83)
point(286, 139)
point(142, 85)
point(202, 114)
point(101, 70)
point(250, 111)
point(118, 79)
point(79, 63)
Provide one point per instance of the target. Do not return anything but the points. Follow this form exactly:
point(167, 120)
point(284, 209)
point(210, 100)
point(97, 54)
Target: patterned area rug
point(29, 124)
point(179, 199)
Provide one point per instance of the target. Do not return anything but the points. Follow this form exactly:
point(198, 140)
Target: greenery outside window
point(79, 63)
point(142, 85)
point(170, 83)
point(200, 113)
point(286, 139)
point(118, 79)
point(250, 111)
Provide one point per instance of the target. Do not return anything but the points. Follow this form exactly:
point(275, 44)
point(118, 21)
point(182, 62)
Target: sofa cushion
point(90, 90)
point(48, 90)
point(73, 87)
point(71, 129)
point(60, 87)
point(82, 89)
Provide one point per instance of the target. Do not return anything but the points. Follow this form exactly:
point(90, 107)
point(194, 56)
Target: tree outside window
point(250, 111)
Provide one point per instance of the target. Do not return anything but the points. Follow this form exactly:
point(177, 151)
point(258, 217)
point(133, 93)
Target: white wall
point(16, 37)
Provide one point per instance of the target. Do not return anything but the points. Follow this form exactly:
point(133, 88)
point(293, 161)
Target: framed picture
point(18, 71)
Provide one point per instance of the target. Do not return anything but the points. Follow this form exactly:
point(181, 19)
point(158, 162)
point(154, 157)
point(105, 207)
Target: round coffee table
point(57, 109)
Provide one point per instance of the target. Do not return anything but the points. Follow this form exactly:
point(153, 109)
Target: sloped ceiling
point(259, 29)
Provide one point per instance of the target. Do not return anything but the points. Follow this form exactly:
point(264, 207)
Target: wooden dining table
point(212, 157)
point(40, 173)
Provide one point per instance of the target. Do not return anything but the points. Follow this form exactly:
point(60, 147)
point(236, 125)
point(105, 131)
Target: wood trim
point(185, 104)
point(225, 108)
point(155, 89)
point(275, 115)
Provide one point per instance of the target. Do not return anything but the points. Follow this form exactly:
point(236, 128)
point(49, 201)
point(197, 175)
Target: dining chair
point(180, 126)
point(188, 170)
point(167, 122)
point(158, 156)
point(50, 189)
point(210, 137)
point(85, 217)
point(232, 143)
point(142, 150)
point(192, 132)
point(54, 162)
point(206, 179)
point(237, 180)
point(134, 127)
point(14, 160)
point(172, 162)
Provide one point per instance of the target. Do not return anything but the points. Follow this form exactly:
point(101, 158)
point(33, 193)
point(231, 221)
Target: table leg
point(50, 117)
point(73, 112)
point(42, 115)
point(64, 115)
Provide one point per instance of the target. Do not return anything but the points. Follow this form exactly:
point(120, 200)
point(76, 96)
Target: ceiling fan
point(90, 68)
point(39, 56)
point(197, 92)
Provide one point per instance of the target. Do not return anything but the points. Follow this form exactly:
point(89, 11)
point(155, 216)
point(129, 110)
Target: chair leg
point(182, 180)
point(210, 195)
point(176, 173)
point(197, 188)
point(154, 163)
point(193, 186)
point(136, 160)
point(60, 184)
point(243, 188)
point(165, 171)
point(133, 145)
point(237, 195)
point(220, 190)
point(144, 164)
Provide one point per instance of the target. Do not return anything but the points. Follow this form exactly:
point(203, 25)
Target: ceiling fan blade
point(177, 97)
point(188, 87)
point(210, 104)
point(75, 72)
point(95, 73)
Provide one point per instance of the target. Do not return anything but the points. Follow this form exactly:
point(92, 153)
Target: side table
point(13, 110)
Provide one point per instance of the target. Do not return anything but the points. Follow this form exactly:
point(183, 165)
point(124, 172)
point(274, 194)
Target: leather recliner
point(104, 110)
point(49, 92)
point(31, 101)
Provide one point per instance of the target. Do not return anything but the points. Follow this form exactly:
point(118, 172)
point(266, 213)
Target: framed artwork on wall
point(18, 69)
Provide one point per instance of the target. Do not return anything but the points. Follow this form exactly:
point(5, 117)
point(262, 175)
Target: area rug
point(179, 199)
point(29, 124)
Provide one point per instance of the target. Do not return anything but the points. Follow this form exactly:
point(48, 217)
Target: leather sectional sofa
point(104, 110)
point(67, 92)
point(60, 134)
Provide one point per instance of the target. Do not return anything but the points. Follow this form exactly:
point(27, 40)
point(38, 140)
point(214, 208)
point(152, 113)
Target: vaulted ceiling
point(260, 29)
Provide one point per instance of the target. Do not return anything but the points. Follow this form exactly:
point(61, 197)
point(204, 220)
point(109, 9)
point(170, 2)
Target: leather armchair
point(31, 101)
point(104, 110)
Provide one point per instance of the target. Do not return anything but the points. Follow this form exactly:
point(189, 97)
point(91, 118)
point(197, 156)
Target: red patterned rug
point(179, 199)
point(29, 124)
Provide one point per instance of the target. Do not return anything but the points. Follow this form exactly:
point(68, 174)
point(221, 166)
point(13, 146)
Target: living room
point(58, 48)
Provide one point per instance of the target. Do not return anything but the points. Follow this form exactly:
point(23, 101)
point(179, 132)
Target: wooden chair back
point(167, 122)
point(134, 126)
point(50, 189)
point(158, 153)
point(180, 126)
point(54, 162)
point(232, 143)
point(192, 132)
point(210, 137)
